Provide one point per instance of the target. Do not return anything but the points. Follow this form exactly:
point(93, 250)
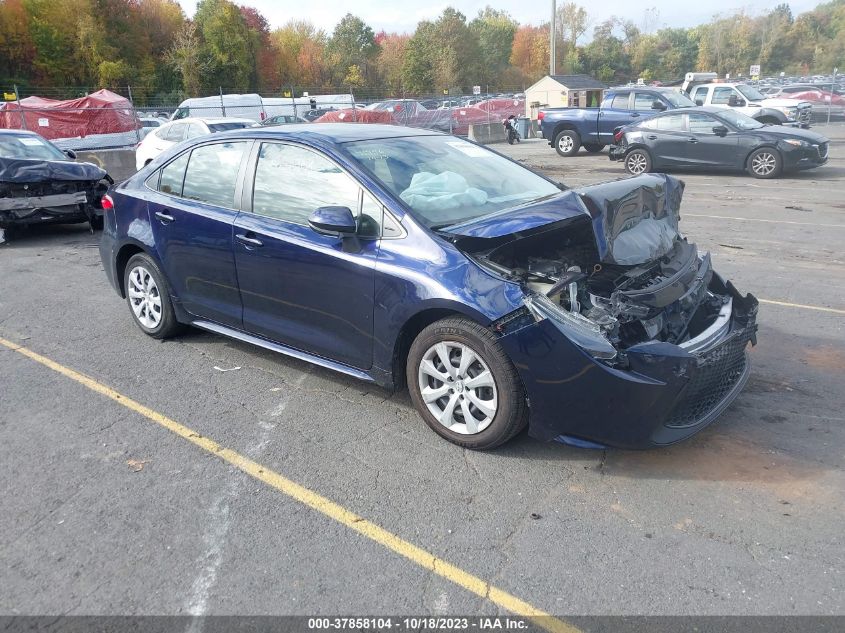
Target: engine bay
point(667, 299)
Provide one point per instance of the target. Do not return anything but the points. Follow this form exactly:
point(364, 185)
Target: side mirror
point(658, 105)
point(736, 102)
point(70, 154)
point(699, 102)
point(720, 130)
point(333, 221)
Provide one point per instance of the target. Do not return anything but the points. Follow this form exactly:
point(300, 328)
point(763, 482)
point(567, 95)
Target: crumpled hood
point(20, 170)
point(634, 220)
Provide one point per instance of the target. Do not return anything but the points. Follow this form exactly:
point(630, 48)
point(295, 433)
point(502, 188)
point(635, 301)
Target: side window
point(212, 173)
point(644, 101)
point(371, 218)
point(649, 124)
point(195, 130)
point(700, 93)
point(291, 182)
point(722, 96)
point(175, 133)
point(172, 176)
point(671, 123)
point(701, 123)
point(620, 101)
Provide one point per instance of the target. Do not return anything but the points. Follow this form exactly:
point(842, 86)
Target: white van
point(256, 107)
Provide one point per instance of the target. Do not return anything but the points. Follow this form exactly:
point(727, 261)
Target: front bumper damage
point(654, 394)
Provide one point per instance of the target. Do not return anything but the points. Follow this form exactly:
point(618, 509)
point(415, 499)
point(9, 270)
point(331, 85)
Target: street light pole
point(552, 38)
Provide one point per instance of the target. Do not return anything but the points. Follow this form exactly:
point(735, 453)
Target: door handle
point(693, 140)
point(249, 241)
point(164, 218)
point(652, 137)
point(634, 115)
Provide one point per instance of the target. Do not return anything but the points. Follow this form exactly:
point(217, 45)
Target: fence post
point(135, 118)
point(830, 100)
point(222, 105)
point(293, 100)
point(354, 111)
point(20, 108)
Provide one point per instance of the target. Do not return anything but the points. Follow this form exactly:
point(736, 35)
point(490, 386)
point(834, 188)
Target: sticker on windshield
point(469, 149)
point(30, 141)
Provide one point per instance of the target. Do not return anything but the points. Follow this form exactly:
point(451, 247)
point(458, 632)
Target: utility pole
point(552, 38)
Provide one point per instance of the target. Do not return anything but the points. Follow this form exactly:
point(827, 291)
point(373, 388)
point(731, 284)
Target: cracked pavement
point(745, 518)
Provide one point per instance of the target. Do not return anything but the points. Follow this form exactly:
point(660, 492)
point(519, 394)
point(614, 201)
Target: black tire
point(638, 161)
point(167, 326)
point(567, 143)
point(593, 148)
point(511, 414)
point(765, 162)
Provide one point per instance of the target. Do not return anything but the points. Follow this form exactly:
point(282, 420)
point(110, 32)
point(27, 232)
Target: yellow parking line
point(801, 305)
point(317, 502)
point(731, 217)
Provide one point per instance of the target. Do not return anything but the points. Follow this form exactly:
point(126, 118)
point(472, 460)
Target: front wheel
point(567, 143)
point(593, 148)
point(765, 163)
point(464, 385)
point(638, 161)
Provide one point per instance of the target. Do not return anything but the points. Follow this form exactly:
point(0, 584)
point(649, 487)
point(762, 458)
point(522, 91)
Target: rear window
point(223, 127)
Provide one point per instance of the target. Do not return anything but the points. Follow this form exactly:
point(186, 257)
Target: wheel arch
point(124, 254)
point(564, 126)
point(765, 145)
point(415, 324)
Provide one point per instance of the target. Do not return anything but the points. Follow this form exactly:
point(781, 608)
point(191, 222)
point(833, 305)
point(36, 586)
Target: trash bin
point(523, 125)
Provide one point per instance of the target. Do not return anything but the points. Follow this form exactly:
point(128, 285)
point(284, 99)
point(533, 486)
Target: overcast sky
point(403, 15)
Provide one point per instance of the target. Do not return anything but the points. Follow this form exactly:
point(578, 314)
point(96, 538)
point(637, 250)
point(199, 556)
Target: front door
point(192, 218)
point(310, 291)
point(710, 149)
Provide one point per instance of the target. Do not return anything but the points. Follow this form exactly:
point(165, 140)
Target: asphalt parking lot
point(107, 510)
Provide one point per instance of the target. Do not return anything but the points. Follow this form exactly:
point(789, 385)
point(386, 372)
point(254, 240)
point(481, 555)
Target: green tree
point(227, 47)
point(352, 44)
point(495, 31)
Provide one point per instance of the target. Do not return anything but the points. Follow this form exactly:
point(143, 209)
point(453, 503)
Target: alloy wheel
point(565, 143)
point(457, 387)
point(637, 163)
point(763, 163)
point(144, 297)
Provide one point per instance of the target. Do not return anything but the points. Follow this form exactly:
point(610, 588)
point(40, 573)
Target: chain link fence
point(69, 116)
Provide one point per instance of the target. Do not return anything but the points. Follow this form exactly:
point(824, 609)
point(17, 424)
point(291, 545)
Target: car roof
point(216, 119)
point(20, 133)
point(707, 109)
point(332, 133)
point(638, 87)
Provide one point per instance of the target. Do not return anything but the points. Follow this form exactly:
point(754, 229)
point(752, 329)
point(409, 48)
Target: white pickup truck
point(744, 98)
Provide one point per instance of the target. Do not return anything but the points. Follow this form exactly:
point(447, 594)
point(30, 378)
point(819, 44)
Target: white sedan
point(174, 132)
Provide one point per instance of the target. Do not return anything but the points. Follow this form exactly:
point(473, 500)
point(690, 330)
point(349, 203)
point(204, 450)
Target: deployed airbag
point(447, 190)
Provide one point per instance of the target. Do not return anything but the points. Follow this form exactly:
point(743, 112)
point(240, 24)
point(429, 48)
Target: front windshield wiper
point(438, 227)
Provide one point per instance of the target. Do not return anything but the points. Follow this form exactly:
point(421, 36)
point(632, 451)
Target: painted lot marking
point(730, 217)
point(802, 306)
point(317, 502)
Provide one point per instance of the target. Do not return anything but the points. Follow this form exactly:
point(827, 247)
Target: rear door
point(615, 112)
point(667, 139)
point(300, 288)
point(192, 217)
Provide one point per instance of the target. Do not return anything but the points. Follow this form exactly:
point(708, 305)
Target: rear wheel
point(593, 148)
point(148, 297)
point(638, 161)
point(765, 163)
point(464, 385)
point(567, 143)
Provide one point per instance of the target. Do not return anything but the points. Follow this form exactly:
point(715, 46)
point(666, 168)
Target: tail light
point(541, 115)
point(617, 136)
point(106, 203)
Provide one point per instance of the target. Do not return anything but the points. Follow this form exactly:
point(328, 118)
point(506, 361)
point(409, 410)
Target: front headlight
point(797, 142)
point(578, 329)
point(789, 111)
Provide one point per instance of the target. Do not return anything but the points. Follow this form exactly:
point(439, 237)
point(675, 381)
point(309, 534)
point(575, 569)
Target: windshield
point(678, 100)
point(223, 127)
point(738, 120)
point(29, 147)
point(752, 94)
point(446, 180)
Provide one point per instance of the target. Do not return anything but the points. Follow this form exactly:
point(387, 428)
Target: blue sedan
point(410, 258)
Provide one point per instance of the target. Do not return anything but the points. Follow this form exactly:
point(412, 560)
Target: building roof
point(579, 82)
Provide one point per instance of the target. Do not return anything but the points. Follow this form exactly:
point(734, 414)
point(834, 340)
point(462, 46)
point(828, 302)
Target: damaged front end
point(628, 337)
point(39, 191)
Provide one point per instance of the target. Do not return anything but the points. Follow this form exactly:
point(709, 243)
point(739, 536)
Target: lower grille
point(717, 373)
point(804, 115)
point(822, 150)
